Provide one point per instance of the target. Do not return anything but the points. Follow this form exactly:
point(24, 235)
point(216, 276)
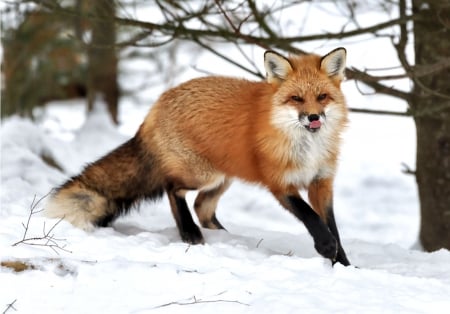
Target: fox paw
point(213, 223)
point(193, 236)
point(328, 248)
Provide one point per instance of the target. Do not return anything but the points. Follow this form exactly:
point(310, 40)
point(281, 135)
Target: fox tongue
point(315, 124)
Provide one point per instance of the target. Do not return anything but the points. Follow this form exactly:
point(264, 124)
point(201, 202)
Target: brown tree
point(45, 55)
point(40, 62)
point(102, 64)
point(431, 109)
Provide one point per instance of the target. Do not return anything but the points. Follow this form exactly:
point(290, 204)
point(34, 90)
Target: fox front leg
point(341, 257)
point(324, 242)
point(320, 194)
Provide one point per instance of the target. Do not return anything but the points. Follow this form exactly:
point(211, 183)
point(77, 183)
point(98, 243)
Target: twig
point(407, 169)
point(10, 306)
point(227, 59)
point(259, 242)
point(33, 206)
point(381, 112)
point(354, 74)
point(236, 31)
point(198, 301)
point(48, 238)
point(290, 253)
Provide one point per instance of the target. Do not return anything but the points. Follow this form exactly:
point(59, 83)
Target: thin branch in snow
point(10, 306)
point(33, 211)
point(259, 242)
point(48, 237)
point(194, 301)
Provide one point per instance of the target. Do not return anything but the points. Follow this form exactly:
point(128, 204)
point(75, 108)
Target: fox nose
point(313, 117)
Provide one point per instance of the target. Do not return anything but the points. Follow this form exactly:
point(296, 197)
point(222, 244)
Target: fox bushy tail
point(108, 187)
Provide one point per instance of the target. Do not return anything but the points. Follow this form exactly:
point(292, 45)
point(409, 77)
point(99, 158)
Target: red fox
point(282, 133)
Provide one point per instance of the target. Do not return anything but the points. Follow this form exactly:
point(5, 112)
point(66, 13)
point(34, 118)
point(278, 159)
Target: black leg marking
point(216, 222)
point(189, 231)
point(324, 242)
point(341, 257)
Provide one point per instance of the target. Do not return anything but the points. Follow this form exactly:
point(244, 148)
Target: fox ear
point(277, 67)
point(333, 63)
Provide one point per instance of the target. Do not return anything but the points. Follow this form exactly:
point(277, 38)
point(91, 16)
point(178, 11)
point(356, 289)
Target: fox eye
point(322, 97)
point(297, 98)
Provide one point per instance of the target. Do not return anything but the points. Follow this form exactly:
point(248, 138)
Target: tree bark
point(102, 69)
point(431, 109)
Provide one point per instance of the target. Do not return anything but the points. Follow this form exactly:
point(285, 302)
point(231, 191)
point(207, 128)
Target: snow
point(264, 263)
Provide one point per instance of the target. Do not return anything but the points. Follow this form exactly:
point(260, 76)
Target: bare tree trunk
point(432, 117)
point(102, 71)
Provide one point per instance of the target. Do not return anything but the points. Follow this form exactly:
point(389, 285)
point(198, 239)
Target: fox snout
point(312, 122)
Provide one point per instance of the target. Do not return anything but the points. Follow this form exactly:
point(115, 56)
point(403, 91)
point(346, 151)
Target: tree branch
point(175, 25)
point(179, 30)
point(400, 47)
point(357, 75)
point(381, 112)
point(229, 60)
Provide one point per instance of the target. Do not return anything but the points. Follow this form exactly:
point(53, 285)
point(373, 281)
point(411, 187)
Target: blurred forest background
point(63, 49)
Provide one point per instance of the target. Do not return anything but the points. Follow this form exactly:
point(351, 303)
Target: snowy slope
point(264, 263)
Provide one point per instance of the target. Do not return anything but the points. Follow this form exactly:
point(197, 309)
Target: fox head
point(307, 91)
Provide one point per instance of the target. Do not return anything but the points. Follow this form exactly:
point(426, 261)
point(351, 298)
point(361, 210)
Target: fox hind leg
point(206, 203)
point(189, 231)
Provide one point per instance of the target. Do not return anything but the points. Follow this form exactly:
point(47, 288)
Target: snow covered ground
point(265, 263)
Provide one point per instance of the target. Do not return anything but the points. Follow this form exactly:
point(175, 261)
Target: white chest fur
point(309, 152)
